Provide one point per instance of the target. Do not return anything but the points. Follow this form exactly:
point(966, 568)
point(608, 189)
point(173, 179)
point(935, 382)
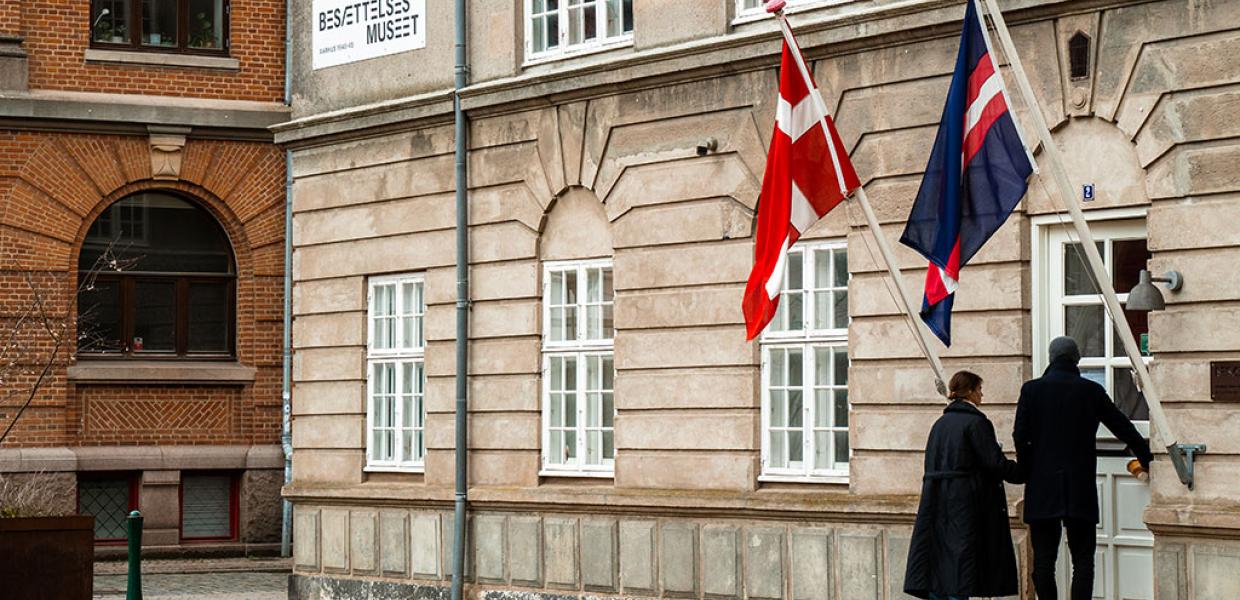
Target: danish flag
point(976, 176)
point(805, 178)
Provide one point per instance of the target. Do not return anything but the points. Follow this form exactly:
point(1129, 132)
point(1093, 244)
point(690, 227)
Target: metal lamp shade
point(1145, 296)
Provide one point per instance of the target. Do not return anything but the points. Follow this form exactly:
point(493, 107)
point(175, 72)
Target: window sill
point(589, 474)
point(587, 50)
point(828, 479)
point(757, 14)
point(162, 59)
point(161, 371)
point(412, 470)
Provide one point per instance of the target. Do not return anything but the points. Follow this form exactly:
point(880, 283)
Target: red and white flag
point(805, 178)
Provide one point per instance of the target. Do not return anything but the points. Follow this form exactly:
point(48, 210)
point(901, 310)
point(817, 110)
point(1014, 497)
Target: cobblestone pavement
point(208, 579)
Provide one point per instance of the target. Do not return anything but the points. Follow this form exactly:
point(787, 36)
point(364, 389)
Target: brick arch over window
point(156, 278)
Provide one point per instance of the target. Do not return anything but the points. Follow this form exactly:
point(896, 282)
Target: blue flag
point(976, 176)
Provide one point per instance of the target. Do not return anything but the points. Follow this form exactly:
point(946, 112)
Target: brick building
point(141, 200)
point(624, 439)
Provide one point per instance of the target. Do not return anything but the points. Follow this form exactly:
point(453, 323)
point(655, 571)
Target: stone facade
point(76, 135)
point(599, 156)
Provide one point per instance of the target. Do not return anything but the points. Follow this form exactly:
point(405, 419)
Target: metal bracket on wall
point(1181, 456)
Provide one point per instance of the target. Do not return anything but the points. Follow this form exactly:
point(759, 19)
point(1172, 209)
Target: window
point(156, 281)
point(208, 506)
point(805, 368)
point(752, 9)
point(578, 369)
point(109, 498)
point(557, 27)
point(196, 26)
point(396, 374)
point(1074, 306)
point(1078, 56)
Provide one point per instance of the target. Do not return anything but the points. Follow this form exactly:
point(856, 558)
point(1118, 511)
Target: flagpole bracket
point(1181, 456)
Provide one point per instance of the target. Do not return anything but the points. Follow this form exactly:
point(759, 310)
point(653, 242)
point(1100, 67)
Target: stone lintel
point(132, 114)
point(140, 458)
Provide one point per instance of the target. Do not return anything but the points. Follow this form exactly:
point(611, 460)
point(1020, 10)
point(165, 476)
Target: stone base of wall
point(306, 587)
point(1187, 569)
point(548, 555)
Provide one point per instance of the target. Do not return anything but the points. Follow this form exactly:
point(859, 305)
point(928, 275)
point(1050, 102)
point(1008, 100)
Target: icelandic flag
point(976, 176)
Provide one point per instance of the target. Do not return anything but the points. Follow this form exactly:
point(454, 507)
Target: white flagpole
point(1068, 195)
point(884, 248)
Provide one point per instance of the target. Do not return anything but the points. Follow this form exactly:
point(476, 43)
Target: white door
point(1068, 303)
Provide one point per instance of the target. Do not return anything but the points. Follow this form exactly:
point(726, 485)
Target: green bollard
point(133, 591)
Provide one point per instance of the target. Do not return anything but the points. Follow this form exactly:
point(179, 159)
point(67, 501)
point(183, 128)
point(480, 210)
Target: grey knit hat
point(1064, 347)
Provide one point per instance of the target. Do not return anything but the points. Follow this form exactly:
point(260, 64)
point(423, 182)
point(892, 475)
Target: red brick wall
point(57, 34)
point(52, 185)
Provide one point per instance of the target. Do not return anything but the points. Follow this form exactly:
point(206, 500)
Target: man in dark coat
point(962, 542)
point(1057, 420)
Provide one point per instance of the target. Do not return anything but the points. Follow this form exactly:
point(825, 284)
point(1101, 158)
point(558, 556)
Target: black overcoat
point(1055, 432)
point(962, 544)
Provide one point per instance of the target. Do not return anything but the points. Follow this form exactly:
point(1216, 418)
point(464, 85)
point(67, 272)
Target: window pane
point(796, 408)
point(538, 32)
point(841, 268)
point(841, 447)
point(822, 408)
point(824, 310)
point(1130, 401)
point(841, 408)
point(628, 15)
point(779, 446)
point(609, 445)
point(569, 331)
point(1086, 325)
point(556, 452)
point(594, 322)
point(1098, 375)
point(840, 306)
point(99, 317)
point(795, 302)
point(594, 285)
point(822, 269)
point(570, 445)
point(555, 404)
point(779, 361)
point(108, 501)
point(1077, 278)
point(1138, 322)
point(155, 316)
point(553, 26)
point(609, 410)
point(557, 324)
point(796, 280)
point(614, 18)
point(822, 366)
point(1128, 258)
point(609, 323)
point(840, 365)
point(208, 317)
point(112, 27)
point(795, 364)
point(157, 232)
point(822, 450)
point(206, 503)
point(206, 24)
point(796, 447)
point(778, 408)
point(159, 23)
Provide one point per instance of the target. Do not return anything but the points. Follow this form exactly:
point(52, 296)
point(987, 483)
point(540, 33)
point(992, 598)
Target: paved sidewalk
point(207, 579)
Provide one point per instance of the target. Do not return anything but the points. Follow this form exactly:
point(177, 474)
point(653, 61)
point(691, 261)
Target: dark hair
point(962, 383)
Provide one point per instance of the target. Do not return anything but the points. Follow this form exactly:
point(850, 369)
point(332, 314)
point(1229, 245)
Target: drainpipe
point(286, 396)
point(462, 309)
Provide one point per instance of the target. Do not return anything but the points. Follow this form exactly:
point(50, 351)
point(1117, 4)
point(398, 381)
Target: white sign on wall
point(345, 31)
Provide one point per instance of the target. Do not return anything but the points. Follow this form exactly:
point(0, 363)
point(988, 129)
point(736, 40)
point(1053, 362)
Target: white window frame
point(806, 339)
point(400, 354)
point(601, 42)
point(1049, 235)
point(582, 349)
point(757, 13)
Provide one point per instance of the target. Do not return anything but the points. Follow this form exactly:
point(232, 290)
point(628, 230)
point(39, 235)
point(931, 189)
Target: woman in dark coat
point(961, 543)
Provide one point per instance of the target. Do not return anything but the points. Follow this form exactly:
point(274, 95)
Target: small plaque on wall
point(1225, 381)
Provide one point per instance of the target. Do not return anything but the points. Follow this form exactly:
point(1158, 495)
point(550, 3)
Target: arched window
point(156, 279)
point(1078, 56)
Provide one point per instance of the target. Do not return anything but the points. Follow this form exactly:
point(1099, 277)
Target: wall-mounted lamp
point(1145, 296)
point(103, 13)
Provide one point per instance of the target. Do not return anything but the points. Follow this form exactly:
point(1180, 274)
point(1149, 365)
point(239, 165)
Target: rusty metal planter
point(47, 557)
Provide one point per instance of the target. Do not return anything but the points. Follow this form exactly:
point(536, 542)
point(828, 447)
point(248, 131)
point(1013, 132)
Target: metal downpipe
point(462, 309)
point(286, 396)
